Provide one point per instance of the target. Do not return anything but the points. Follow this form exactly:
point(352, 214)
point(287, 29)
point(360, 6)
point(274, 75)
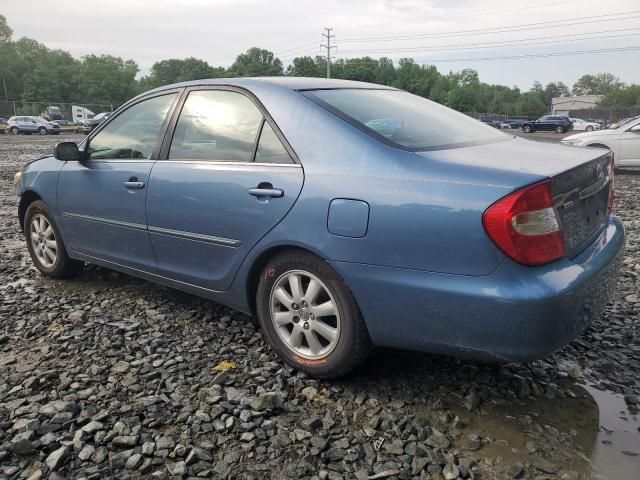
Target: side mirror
point(67, 152)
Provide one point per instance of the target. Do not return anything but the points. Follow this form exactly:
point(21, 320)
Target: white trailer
point(80, 114)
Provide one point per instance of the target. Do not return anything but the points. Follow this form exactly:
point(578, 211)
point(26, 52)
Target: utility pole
point(328, 46)
point(4, 84)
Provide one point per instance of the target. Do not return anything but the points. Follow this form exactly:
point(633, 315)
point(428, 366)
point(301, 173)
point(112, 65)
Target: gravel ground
point(107, 376)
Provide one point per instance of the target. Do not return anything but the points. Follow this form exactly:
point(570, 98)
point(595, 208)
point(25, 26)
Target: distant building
point(565, 105)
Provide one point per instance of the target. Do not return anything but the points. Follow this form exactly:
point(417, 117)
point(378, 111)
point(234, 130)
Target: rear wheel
point(45, 244)
point(310, 317)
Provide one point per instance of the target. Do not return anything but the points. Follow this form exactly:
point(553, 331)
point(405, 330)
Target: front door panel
point(203, 220)
point(102, 216)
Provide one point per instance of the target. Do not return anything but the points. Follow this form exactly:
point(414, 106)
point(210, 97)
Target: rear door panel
point(203, 221)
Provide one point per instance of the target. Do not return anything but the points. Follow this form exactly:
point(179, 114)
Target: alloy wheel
point(305, 314)
point(43, 241)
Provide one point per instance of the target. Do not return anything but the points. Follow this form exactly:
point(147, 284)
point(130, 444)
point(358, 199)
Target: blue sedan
point(342, 215)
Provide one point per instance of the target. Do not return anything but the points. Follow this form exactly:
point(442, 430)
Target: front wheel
point(42, 131)
point(559, 129)
point(14, 131)
point(589, 128)
point(309, 316)
point(526, 129)
point(44, 243)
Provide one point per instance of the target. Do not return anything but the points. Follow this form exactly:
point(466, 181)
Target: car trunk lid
point(581, 179)
point(581, 197)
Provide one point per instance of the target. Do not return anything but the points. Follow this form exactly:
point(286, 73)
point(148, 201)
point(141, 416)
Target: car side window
point(216, 125)
point(270, 148)
point(133, 133)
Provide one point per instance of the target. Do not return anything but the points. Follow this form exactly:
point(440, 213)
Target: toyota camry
point(342, 215)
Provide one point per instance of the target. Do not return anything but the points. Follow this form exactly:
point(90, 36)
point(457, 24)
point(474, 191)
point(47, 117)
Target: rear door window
point(270, 148)
point(216, 125)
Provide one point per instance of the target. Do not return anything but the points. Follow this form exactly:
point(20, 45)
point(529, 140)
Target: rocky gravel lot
point(107, 376)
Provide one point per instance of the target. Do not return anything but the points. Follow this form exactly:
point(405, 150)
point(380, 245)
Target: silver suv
point(24, 124)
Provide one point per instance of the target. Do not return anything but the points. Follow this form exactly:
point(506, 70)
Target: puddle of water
point(585, 433)
point(618, 431)
point(564, 427)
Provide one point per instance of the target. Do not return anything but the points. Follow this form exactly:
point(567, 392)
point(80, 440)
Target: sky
point(451, 34)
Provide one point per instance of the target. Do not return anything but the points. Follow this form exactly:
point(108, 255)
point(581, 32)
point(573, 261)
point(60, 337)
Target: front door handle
point(266, 190)
point(133, 182)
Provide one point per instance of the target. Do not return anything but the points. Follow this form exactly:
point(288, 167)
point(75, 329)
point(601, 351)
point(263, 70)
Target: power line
point(506, 29)
point(328, 46)
point(513, 57)
point(447, 16)
point(286, 52)
point(511, 43)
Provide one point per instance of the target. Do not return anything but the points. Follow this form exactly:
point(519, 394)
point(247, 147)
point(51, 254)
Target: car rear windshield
point(404, 120)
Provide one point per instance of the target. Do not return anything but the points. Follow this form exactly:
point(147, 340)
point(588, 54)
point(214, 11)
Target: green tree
point(599, 84)
point(627, 96)
point(51, 78)
point(173, 70)
point(106, 79)
point(5, 30)
point(256, 62)
point(553, 90)
point(307, 67)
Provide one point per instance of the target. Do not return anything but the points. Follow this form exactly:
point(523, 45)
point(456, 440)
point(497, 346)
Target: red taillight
point(525, 225)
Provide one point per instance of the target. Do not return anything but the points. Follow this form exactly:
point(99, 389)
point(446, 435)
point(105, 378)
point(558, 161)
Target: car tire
point(589, 128)
point(559, 129)
point(526, 129)
point(14, 131)
point(42, 131)
point(316, 328)
point(45, 244)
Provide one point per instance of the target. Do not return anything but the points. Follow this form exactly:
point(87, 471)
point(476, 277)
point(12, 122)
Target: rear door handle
point(266, 192)
point(133, 182)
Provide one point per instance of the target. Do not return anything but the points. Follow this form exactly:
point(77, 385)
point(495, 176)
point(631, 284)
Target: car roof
point(292, 83)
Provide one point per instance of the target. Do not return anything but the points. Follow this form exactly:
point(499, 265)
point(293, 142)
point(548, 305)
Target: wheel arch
point(261, 261)
point(598, 145)
point(26, 199)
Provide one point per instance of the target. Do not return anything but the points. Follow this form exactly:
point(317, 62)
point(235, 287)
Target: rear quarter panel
point(425, 213)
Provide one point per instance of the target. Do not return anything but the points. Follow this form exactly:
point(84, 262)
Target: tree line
point(33, 73)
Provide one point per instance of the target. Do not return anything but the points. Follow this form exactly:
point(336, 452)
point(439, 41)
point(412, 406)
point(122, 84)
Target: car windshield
point(402, 119)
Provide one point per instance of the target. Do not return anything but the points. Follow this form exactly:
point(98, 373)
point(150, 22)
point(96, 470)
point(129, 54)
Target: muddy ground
point(108, 376)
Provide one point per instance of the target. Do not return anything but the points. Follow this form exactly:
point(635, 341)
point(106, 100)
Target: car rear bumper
point(516, 313)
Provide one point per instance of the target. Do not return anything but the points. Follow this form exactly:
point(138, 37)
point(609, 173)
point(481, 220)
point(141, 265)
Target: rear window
point(404, 120)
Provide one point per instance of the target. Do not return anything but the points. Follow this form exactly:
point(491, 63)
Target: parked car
point(89, 124)
point(52, 113)
point(549, 123)
point(517, 124)
point(623, 141)
point(67, 126)
point(3, 125)
point(28, 125)
point(493, 123)
point(286, 199)
point(584, 126)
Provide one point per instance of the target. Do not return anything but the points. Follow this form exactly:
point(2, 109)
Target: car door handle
point(266, 192)
point(134, 183)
